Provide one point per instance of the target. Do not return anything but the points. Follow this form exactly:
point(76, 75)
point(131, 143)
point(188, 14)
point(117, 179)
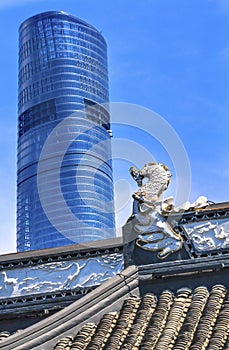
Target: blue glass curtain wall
point(63, 69)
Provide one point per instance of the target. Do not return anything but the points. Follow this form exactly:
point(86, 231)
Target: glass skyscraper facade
point(63, 69)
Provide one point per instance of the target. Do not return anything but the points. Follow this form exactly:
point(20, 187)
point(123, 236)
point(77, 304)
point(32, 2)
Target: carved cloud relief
point(208, 235)
point(63, 275)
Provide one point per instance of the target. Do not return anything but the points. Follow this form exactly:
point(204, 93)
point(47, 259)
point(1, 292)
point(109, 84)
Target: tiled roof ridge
point(124, 323)
point(64, 342)
point(188, 320)
point(220, 332)
point(208, 320)
point(199, 300)
point(103, 331)
point(81, 340)
point(176, 316)
point(4, 335)
point(140, 323)
point(158, 321)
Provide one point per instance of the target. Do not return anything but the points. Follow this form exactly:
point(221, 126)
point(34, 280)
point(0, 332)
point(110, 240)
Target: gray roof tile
point(185, 320)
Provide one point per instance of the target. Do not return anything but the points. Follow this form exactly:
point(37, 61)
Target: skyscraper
point(63, 69)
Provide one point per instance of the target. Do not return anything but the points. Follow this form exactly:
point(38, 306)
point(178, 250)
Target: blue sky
point(171, 57)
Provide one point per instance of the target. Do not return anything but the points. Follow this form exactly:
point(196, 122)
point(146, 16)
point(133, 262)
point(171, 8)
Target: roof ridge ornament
point(155, 232)
point(163, 231)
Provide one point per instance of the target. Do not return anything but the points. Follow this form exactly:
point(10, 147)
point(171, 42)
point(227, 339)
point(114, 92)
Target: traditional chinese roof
point(149, 307)
point(179, 302)
point(186, 319)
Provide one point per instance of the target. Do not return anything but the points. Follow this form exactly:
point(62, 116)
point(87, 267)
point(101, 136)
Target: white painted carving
point(51, 277)
point(155, 232)
point(209, 235)
point(201, 202)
